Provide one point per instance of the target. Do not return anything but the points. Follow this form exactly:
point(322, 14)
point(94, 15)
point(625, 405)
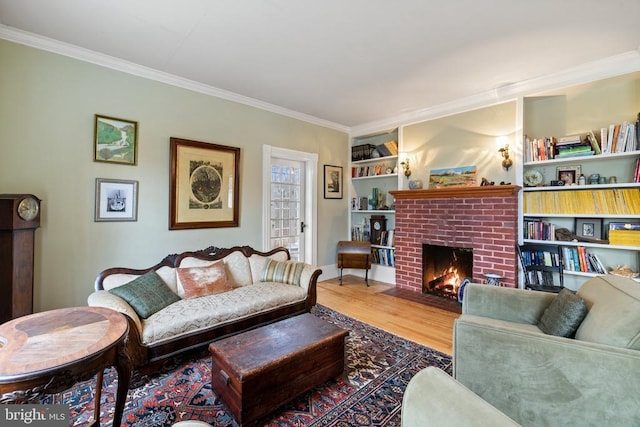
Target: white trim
point(311, 195)
point(596, 70)
point(86, 55)
point(599, 69)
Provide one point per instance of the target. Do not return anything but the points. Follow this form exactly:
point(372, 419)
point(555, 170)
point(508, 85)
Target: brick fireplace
point(484, 219)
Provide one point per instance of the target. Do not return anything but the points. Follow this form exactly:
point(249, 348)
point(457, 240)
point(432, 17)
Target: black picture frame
point(590, 228)
point(333, 178)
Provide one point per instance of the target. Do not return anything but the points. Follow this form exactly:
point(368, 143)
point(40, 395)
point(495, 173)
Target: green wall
point(47, 107)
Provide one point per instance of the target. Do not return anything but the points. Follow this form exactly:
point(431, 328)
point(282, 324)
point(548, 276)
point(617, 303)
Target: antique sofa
point(257, 288)
point(539, 379)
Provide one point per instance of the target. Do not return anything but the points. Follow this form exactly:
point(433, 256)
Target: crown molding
point(86, 55)
point(592, 71)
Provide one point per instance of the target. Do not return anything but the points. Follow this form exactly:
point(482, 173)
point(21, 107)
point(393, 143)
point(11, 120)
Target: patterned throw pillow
point(146, 294)
point(564, 314)
point(196, 282)
point(288, 272)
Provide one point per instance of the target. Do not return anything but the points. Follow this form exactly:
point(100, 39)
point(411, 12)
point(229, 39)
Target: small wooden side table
point(48, 352)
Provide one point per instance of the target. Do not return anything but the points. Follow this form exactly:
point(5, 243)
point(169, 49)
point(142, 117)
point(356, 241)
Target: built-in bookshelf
point(581, 175)
point(374, 172)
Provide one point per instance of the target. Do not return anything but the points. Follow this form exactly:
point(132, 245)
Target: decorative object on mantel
point(415, 184)
point(485, 181)
point(506, 162)
point(463, 176)
point(623, 270)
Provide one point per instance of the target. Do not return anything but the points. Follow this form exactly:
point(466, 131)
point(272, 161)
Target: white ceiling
point(347, 62)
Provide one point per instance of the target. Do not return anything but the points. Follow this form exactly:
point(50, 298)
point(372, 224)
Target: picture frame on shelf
point(589, 227)
point(204, 186)
point(333, 182)
point(569, 174)
point(115, 140)
point(116, 200)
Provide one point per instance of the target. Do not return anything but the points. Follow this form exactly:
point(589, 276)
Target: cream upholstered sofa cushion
point(189, 315)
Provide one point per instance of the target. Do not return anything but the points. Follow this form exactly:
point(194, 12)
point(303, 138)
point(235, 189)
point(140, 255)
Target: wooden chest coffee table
point(256, 371)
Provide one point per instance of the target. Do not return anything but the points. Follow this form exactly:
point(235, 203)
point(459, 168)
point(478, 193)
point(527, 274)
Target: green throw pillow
point(146, 294)
point(564, 314)
point(288, 272)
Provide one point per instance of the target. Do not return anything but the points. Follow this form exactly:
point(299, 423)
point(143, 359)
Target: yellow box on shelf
point(624, 233)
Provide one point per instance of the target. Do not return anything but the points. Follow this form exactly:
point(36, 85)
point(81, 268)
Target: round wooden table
point(48, 352)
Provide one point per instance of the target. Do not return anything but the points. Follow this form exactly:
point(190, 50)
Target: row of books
point(361, 233)
point(579, 258)
point(620, 138)
point(389, 148)
point(387, 237)
point(383, 256)
point(537, 229)
point(574, 258)
point(607, 201)
point(362, 152)
point(615, 138)
point(543, 258)
point(372, 170)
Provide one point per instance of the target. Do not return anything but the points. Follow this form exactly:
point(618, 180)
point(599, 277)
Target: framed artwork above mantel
point(205, 185)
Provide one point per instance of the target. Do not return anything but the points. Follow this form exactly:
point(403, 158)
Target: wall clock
point(378, 225)
point(19, 218)
point(532, 178)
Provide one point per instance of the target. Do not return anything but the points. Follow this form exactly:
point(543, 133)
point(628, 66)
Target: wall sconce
point(405, 166)
point(506, 161)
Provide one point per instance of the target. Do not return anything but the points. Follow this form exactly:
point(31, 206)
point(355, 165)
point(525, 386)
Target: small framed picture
point(569, 174)
point(116, 200)
point(115, 140)
point(332, 182)
point(589, 227)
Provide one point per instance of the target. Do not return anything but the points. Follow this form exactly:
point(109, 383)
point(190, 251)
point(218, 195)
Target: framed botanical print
point(115, 140)
point(205, 185)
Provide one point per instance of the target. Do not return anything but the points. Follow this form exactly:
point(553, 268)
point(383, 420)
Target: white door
point(290, 203)
point(287, 224)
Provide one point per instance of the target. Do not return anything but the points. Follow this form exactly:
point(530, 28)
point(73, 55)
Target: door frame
point(311, 196)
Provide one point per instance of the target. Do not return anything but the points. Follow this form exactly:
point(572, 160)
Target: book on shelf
point(389, 148)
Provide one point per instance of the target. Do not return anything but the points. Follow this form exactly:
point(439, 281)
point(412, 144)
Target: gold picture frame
point(205, 185)
point(115, 140)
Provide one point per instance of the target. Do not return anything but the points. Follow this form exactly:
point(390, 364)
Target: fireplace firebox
point(444, 268)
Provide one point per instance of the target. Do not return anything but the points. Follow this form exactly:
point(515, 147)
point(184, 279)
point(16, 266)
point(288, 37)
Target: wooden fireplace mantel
point(458, 192)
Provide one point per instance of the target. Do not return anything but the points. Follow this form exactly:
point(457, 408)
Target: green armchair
point(536, 379)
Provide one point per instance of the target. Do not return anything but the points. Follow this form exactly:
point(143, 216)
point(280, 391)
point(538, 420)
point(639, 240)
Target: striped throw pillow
point(288, 272)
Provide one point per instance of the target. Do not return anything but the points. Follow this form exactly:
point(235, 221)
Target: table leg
point(123, 368)
point(97, 397)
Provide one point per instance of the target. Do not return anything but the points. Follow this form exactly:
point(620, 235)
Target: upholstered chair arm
point(510, 304)
point(114, 302)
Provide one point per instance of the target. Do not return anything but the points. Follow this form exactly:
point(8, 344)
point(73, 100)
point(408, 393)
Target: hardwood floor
point(413, 320)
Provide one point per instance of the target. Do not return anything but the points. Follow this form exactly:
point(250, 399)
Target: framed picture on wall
point(116, 200)
point(115, 140)
point(332, 182)
point(205, 185)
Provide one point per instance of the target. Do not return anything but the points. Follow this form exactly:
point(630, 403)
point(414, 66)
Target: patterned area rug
point(369, 393)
